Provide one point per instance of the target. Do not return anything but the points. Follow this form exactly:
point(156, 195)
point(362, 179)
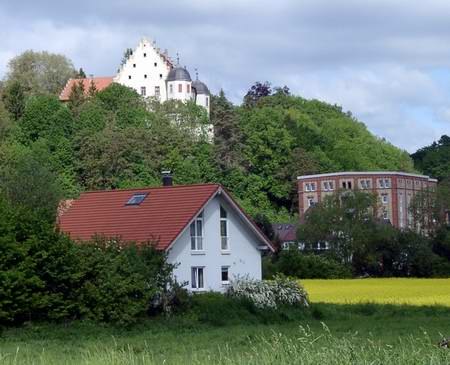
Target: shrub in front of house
point(269, 294)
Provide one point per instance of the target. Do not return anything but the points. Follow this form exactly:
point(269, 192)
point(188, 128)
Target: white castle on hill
point(152, 74)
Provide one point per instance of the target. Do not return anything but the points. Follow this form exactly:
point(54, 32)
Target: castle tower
point(179, 83)
point(201, 93)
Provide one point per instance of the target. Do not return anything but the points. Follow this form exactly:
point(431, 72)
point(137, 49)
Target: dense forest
point(115, 139)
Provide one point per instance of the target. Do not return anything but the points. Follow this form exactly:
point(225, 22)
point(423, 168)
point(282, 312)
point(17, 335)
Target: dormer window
point(137, 199)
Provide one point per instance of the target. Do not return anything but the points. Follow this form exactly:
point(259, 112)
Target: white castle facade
point(153, 74)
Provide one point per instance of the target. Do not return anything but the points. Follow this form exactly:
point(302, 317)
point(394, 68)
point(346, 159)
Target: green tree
point(227, 135)
point(434, 160)
point(40, 72)
point(343, 220)
point(14, 99)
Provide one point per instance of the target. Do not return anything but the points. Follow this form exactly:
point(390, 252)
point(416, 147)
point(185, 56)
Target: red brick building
point(394, 189)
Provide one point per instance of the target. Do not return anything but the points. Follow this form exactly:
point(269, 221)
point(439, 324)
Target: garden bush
point(269, 293)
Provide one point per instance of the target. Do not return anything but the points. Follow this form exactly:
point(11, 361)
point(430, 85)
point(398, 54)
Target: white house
point(201, 227)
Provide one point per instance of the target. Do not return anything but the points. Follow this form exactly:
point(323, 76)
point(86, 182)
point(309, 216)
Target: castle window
point(156, 64)
point(143, 91)
point(171, 89)
point(134, 65)
point(145, 54)
point(207, 101)
point(129, 77)
point(160, 76)
point(145, 76)
point(157, 91)
point(180, 88)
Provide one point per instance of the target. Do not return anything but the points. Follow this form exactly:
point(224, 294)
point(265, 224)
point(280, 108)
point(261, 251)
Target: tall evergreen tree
point(14, 99)
point(227, 135)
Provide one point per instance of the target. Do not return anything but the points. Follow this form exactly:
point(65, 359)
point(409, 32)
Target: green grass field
point(327, 333)
point(383, 291)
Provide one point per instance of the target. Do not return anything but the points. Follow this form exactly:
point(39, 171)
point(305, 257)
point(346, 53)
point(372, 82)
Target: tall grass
point(306, 347)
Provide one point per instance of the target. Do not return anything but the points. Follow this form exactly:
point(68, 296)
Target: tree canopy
point(434, 160)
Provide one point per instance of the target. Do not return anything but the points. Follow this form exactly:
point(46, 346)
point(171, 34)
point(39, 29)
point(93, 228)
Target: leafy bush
point(305, 266)
point(269, 293)
point(46, 276)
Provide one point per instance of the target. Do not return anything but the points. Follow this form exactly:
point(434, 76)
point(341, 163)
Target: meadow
point(381, 291)
point(217, 331)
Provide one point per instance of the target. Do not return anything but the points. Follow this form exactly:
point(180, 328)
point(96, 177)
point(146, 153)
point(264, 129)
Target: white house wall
point(243, 259)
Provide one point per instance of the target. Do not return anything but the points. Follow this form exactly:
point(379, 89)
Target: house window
point(157, 91)
point(171, 89)
point(196, 230)
point(156, 64)
point(224, 244)
point(207, 101)
point(143, 91)
point(180, 88)
point(197, 278)
point(225, 275)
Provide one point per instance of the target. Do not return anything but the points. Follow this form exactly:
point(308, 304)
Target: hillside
point(112, 140)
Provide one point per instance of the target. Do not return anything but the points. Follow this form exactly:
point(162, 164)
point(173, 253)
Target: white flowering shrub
point(269, 293)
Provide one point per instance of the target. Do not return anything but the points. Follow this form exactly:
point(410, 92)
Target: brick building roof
point(99, 82)
point(161, 216)
point(286, 232)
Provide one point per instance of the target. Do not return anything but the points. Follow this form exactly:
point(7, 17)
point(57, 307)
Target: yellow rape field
point(383, 291)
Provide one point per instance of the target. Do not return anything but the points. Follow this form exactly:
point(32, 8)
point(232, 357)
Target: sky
point(386, 61)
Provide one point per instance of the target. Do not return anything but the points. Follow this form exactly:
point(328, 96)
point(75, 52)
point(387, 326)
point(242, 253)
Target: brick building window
point(347, 185)
point(384, 198)
point(310, 187)
point(365, 184)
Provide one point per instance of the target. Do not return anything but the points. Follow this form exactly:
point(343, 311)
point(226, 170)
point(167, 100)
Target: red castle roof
point(99, 82)
point(162, 215)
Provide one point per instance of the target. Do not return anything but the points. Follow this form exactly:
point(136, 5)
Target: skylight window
point(137, 199)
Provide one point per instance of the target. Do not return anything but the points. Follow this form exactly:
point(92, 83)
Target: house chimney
point(167, 178)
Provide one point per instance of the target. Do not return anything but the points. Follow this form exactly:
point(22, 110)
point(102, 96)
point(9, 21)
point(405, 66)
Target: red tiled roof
point(99, 82)
point(162, 215)
point(286, 232)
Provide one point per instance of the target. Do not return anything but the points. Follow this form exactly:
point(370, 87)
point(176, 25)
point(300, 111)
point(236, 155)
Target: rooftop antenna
point(178, 59)
point(196, 73)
